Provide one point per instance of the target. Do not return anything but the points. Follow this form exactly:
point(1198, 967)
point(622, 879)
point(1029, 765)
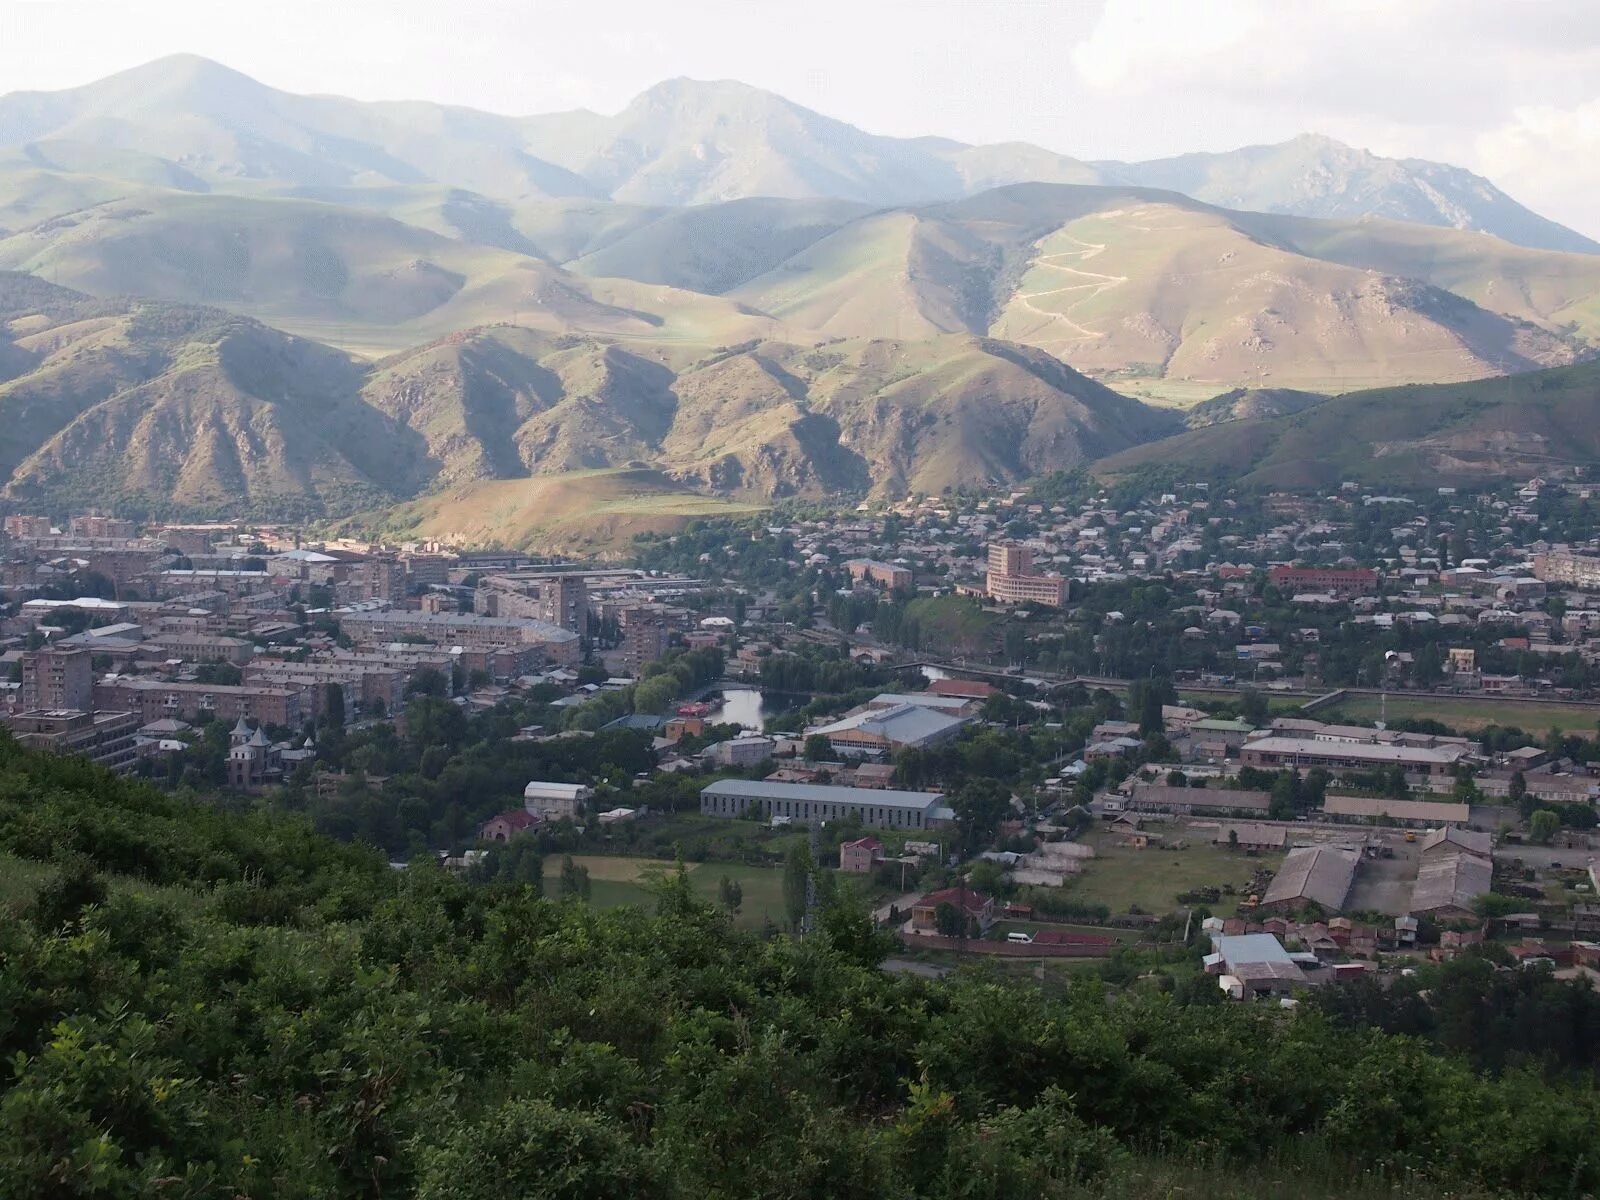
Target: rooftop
point(761, 789)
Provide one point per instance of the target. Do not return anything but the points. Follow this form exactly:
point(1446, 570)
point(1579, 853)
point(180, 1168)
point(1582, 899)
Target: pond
point(749, 708)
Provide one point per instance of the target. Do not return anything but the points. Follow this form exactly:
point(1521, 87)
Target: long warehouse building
point(807, 802)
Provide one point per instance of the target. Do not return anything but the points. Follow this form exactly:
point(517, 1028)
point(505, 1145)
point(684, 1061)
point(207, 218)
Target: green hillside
point(1408, 437)
point(205, 1001)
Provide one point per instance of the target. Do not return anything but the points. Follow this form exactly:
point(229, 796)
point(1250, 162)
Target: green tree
point(731, 893)
point(528, 1147)
point(574, 879)
point(1543, 826)
point(797, 868)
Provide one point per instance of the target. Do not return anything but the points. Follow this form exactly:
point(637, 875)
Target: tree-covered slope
point(197, 1003)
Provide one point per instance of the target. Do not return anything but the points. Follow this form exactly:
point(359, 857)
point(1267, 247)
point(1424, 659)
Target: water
point(749, 708)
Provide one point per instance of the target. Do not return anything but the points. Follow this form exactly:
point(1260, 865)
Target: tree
point(731, 893)
point(1543, 826)
point(574, 879)
point(1253, 708)
point(1233, 839)
point(429, 681)
point(796, 877)
point(980, 805)
point(333, 704)
point(818, 748)
point(948, 919)
point(1517, 793)
point(1176, 778)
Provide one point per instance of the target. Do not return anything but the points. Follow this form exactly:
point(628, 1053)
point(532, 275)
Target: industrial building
point(1320, 875)
point(806, 802)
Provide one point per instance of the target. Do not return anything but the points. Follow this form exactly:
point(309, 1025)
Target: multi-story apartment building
point(23, 525)
point(153, 699)
point(561, 598)
point(1564, 567)
point(106, 738)
point(467, 630)
point(1355, 581)
point(646, 637)
point(885, 575)
point(57, 679)
point(102, 527)
point(1012, 580)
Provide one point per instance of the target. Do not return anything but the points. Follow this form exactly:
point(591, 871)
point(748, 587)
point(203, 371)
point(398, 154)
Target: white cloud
point(1549, 153)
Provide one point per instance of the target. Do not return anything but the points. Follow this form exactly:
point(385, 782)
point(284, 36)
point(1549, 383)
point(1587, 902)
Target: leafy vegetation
point(315, 1024)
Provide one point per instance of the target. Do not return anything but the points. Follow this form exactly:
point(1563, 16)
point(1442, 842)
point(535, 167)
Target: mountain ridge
point(686, 141)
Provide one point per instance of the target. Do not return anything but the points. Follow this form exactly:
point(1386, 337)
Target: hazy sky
point(1509, 88)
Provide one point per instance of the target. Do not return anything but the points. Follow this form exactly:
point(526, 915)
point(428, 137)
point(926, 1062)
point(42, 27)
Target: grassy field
point(1122, 878)
point(615, 880)
point(1466, 715)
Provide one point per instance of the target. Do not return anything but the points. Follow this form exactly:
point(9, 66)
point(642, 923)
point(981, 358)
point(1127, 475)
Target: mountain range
point(189, 123)
point(217, 296)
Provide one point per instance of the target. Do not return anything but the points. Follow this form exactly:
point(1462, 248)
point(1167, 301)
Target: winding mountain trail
point(1099, 283)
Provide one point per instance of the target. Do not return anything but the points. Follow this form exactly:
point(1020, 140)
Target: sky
point(1507, 88)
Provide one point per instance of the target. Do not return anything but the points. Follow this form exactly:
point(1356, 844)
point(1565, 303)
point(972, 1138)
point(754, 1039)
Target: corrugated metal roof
point(762, 789)
point(1322, 874)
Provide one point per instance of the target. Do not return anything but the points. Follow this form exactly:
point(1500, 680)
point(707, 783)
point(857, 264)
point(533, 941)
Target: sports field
point(1466, 714)
point(615, 880)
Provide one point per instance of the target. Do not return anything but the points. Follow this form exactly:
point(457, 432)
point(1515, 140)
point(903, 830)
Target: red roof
point(867, 843)
point(517, 818)
point(969, 688)
point(975, 901)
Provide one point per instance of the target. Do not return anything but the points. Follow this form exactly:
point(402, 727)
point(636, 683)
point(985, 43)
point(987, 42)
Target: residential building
point(978, 908)
point(57, 680)
point(1011, 578)
point(1358, 581)
point(1564, 567)
point(886, 575)
point(153, 699)
point(468, 630)
point(105, 738)
point(1253, 964)
point(1272, 753)
point(555, 801)
point(861, 856)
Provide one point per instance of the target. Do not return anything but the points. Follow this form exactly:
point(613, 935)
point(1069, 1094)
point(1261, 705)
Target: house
point(978, 907)
point(1253, 964)
point(507, 825)
point(555, 801)
point(860, 856)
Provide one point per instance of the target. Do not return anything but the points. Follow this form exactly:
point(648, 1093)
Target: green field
point(1465, 714)
point(1152, 879)
point(616, 880)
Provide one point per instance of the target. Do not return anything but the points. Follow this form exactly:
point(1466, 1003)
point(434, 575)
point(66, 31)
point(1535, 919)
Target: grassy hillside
point(597, 511)
point(350, 278)
point(1401, 437)
point(1244, 403)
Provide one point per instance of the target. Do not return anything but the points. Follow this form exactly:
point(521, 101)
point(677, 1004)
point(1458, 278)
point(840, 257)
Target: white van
point(1020, 939)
